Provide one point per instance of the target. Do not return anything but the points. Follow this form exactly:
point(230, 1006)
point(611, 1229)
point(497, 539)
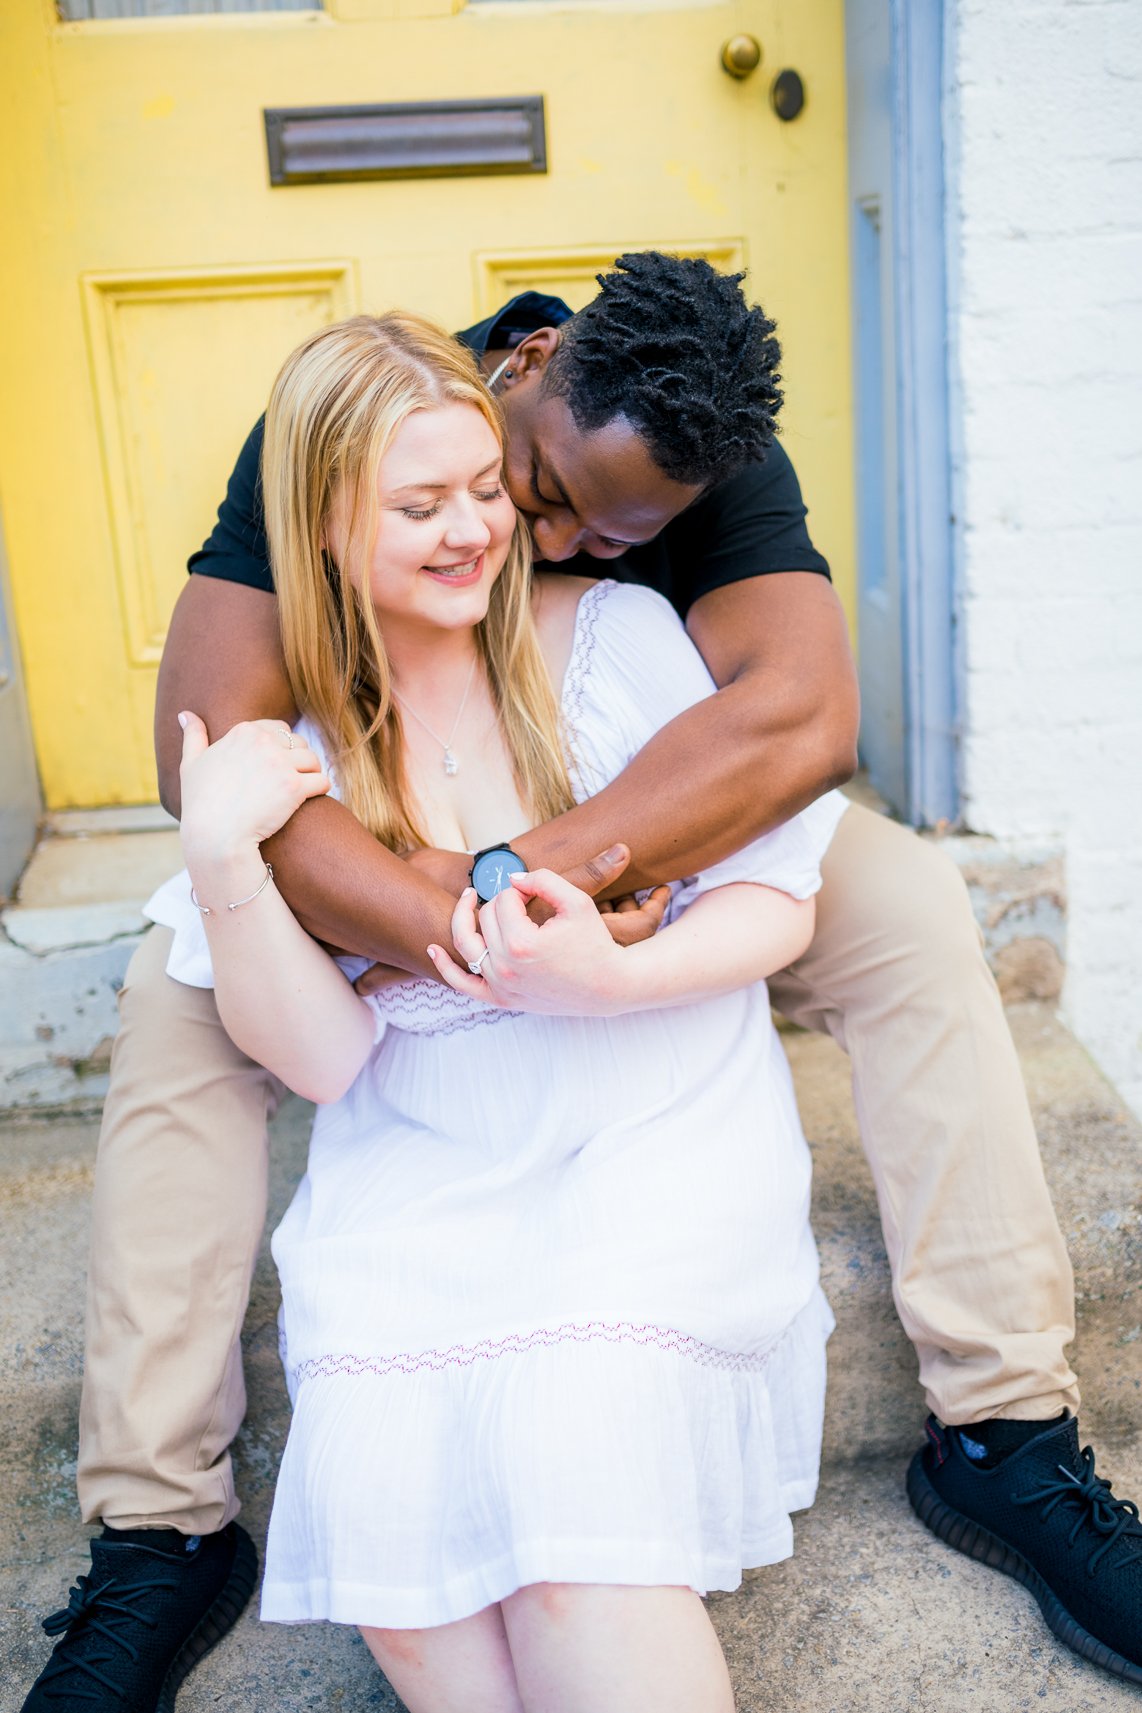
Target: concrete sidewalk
point(871, 1614)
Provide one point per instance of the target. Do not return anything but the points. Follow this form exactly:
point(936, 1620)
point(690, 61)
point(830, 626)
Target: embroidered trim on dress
point(583, 649)
point(423, 1008)
point(347, 1365)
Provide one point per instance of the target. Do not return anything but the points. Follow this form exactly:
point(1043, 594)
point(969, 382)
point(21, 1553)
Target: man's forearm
point(352, 893)
point(704, 786)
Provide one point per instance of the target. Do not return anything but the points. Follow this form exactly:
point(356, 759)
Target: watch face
point(492, 872)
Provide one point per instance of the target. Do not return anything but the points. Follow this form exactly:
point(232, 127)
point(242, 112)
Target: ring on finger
point(289, 740)
point(474, 963)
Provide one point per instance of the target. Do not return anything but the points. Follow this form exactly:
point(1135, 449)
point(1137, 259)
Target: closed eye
point(538, 491)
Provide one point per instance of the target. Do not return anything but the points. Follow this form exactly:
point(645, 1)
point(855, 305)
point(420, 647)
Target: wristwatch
point(492, 870)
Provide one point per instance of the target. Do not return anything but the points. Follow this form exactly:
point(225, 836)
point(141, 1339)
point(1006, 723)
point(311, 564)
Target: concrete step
point(65, 941)
point(872, 1613)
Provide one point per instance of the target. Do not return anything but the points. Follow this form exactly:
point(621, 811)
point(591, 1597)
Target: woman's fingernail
point(468, 892)
point(434, 953)
point(182, 721)
point(613, 854)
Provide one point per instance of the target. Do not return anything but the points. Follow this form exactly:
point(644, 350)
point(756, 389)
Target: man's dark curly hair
point(673, 346)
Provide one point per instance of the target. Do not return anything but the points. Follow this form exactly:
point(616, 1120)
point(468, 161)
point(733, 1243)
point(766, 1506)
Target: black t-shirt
point(749, 526)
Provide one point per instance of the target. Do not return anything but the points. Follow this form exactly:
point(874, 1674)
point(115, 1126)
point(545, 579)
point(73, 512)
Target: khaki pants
point(896, 974)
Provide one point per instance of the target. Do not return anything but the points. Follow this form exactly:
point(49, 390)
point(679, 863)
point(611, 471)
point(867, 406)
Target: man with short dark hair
point(640, 432)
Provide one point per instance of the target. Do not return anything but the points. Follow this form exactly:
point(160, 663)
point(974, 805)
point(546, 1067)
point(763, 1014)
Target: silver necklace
point(450, 764)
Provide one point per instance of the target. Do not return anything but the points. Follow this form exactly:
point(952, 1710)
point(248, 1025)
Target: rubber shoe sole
point(219, 1618)
point(972, 1538)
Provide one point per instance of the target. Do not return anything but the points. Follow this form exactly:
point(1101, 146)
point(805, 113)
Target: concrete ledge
point(81, 894)
point(1019, 896)
point(64, 945)
point(58, 1017)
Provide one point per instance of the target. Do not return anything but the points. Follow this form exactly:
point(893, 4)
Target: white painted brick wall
point(1044, 132)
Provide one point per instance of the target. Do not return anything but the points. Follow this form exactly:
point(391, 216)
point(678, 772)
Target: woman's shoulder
point(555, 601)
point(591, 627)
point(555, 598)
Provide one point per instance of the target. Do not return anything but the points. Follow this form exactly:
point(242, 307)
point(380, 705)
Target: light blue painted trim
point(925, 518)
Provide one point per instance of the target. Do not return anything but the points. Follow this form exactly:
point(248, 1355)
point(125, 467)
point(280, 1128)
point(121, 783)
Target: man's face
point(597, 493)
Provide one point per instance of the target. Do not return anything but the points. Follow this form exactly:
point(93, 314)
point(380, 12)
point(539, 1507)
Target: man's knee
point(164, 1023)
point(148, 994)
point(902, 898)
point(933, 900)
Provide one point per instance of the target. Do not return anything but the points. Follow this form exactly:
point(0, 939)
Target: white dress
point(551, 1308)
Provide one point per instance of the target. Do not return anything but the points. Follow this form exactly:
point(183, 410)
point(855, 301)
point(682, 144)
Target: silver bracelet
point(208, 909)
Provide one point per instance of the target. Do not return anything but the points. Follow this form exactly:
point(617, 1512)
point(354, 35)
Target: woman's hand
point(568, 966)
point(626, 920)
point(242, 789)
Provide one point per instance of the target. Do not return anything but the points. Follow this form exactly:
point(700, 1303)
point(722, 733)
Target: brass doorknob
point(741, 55)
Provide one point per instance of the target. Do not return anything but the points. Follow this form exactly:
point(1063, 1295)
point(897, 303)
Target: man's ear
point(531, 356)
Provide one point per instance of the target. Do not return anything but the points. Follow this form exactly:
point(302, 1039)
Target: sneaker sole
point(969, 1537)
point(229, 1604)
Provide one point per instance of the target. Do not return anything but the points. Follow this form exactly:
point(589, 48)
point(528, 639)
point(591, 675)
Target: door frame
point(21, 805)
point(923, 520)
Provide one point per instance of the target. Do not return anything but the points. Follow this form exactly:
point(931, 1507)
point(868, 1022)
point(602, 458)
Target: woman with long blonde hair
point(551, 1318)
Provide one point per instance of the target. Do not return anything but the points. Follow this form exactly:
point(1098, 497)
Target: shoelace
point(95, 1611)
point(1114, 1518)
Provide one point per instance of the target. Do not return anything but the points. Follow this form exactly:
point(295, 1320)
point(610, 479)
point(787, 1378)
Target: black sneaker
point(1044, 1516)
point(141, 1620)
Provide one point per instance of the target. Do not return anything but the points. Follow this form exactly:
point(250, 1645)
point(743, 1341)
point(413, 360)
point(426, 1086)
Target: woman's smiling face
point(444, 523)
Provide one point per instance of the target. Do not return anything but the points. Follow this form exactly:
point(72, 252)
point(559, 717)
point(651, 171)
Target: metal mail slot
point(406, 139)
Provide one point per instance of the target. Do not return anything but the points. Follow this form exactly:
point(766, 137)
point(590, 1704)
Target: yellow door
point(152, 278)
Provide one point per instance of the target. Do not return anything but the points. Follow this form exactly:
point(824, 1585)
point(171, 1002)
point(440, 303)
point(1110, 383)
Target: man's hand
point(627, 921)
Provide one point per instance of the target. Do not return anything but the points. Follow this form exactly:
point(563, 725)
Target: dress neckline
point(582, 645)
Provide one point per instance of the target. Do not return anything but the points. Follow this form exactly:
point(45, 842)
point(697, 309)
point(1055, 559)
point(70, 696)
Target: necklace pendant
point(451, 765)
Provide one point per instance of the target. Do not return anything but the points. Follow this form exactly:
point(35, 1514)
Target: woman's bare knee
point(465, 1667)
point(590, 1648)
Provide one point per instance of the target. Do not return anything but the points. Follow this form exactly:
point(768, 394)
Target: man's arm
point(223, 661)
point(781, 730)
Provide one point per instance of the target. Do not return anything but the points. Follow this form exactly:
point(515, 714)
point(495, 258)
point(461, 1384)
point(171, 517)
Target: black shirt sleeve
point(236, 549)
point(749, 526)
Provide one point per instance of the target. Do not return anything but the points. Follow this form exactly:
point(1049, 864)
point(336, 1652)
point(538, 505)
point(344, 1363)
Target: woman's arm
point(223, 658)
point(282, 999)
point(731, 936)
point(728, 938)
